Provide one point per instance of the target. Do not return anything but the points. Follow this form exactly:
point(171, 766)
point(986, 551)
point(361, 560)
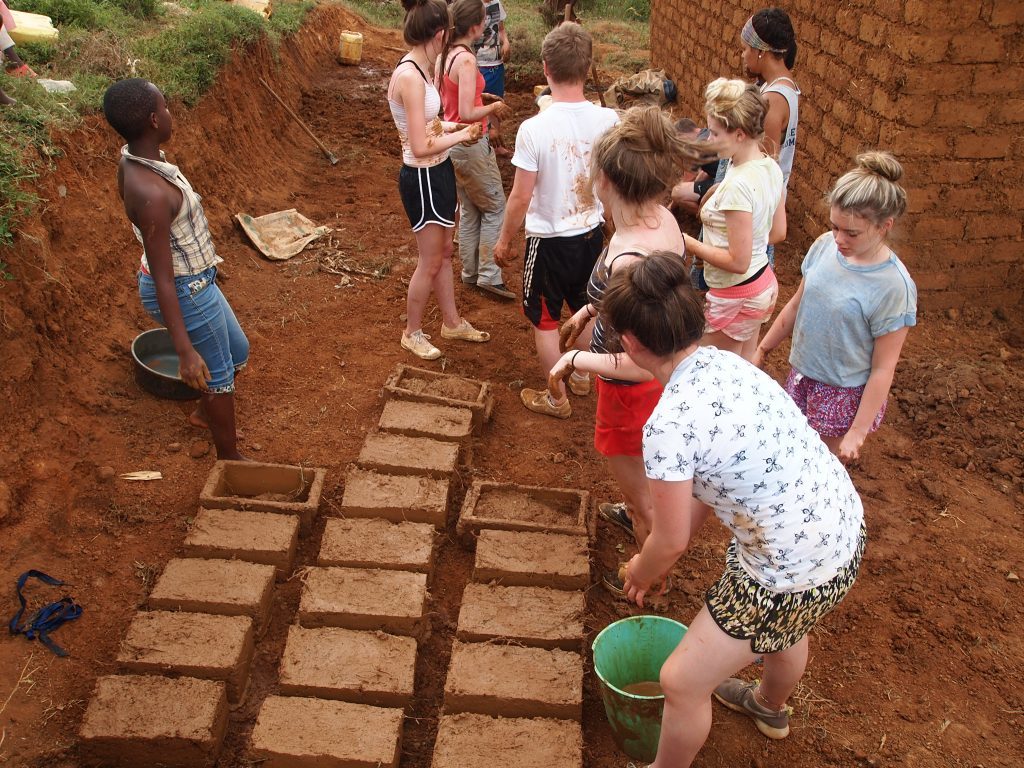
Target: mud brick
point(256, 537)
point(252, 485)
point(361, 667)
point(294, 732)
point(440, 422)
point(414, 498)
point(191, 644)
point(403, 455)
point(478, 741)
point(426, 386)
point(141, 721)
point(533, 616)
point(225, 587)
point(510, 681)
point(357, 598)
point(377, 543)
point(523, 559)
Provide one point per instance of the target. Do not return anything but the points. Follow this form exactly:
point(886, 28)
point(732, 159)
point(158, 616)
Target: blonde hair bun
point(725, 93)
point(881, 163)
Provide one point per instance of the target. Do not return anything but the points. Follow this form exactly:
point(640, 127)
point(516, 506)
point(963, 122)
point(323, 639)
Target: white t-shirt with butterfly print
point(789, 503)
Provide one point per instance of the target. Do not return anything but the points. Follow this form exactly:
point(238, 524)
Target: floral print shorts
point(829, 410)
point(774, 621)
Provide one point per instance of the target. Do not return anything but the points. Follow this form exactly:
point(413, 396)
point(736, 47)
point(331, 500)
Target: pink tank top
point(450, 92)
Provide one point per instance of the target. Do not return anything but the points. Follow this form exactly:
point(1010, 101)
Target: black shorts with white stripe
point(556, 272)
point(429, 195)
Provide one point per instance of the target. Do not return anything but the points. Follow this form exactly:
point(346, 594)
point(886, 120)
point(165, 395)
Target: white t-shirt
point(556, 144)
point(756, 187)
point(754, 459)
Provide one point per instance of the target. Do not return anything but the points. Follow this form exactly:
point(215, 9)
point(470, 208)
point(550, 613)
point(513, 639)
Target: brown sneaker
point(579, 385)
point(738, 695)
point(498, 289)
point(539, 401)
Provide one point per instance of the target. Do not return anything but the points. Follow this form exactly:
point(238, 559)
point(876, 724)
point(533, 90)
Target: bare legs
point(631, 477)
point(705, 657)
point(744, 349)
point(220, 413)
point(433, 274)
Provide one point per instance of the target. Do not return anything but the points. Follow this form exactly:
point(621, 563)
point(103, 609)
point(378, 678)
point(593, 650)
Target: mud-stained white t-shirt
point(754, 459)
point(556, 145)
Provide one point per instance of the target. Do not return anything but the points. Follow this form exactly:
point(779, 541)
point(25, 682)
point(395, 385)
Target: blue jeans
point(211, 324)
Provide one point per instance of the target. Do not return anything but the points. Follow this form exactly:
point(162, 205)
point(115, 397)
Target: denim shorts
point(211, 324)
point(494, 79)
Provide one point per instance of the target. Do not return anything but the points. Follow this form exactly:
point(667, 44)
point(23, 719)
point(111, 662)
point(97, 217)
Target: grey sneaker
point(738, 695)
point(615, 513)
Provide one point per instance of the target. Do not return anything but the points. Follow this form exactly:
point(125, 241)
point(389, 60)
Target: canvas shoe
point(738, 695)
point(464, 332)
point(615, 513)
point(418, 343)
point(499, 289)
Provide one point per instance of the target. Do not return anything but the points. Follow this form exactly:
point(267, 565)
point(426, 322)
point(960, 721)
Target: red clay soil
point(920, 666)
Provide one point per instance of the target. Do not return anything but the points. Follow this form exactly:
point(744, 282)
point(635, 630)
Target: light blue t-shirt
point(844, 308)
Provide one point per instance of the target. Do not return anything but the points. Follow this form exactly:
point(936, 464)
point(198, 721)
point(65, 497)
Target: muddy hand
point(556, 378)
point(193, 371)
point(571, 330)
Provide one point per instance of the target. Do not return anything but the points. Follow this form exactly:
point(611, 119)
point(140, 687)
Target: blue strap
point(46, 619)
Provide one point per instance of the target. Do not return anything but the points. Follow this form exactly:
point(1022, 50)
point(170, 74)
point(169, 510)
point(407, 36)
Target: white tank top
point(788, 90)
point(431, 110)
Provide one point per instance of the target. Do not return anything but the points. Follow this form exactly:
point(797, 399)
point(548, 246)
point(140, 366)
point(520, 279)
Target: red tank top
point(450, 92)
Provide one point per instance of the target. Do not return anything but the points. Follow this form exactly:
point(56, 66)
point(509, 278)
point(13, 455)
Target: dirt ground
point(920, 666)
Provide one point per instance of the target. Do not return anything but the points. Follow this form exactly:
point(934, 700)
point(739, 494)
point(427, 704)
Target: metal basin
point(156, 366)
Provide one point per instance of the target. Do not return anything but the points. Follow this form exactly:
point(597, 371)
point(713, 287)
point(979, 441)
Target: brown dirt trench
point(920, 666)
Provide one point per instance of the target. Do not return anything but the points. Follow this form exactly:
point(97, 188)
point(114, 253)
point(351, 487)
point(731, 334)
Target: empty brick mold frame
point(356, 598)
point(417, 499)
point(294, 732)
point(256, 537)
point(139, 721)
point(525, 559)
point(377, 543)
point(191, 644)
point(509, 681)
point(251, 485)
point(362, 667)
point(440, 422)
point(226, 587)
point(542, 618)
point(401, 455)
point(478, 741)
point(509, 507)
point(421, 385)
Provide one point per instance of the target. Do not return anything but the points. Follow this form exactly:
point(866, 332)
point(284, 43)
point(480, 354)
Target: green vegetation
point(179, 47)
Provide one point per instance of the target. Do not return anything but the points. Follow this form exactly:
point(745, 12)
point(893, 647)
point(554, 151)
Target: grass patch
point(181, 48)
point(380, 13)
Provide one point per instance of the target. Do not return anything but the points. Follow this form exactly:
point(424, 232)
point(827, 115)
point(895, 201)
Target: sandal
point(464, 332)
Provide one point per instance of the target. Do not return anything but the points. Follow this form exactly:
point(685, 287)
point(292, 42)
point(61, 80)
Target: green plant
point(382, 13)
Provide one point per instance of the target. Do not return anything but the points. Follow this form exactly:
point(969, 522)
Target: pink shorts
point(829, 410)
point(740, 310)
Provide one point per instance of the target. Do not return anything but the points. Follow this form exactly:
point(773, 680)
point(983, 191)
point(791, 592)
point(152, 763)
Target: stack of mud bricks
point(514, 691)
point(348, 667)
point(186, 660)
point(883, 75)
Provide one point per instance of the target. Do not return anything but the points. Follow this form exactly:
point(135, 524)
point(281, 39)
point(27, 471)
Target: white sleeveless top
point(431, 111)
point(788, 90)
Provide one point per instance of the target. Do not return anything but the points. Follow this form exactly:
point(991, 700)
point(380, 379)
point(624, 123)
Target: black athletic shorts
point(556, 272)
point(429, 195)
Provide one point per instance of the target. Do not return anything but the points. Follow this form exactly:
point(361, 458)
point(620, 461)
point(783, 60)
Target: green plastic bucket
point(630, 651)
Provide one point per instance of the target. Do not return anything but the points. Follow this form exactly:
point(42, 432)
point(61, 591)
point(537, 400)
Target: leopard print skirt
point(774, 621)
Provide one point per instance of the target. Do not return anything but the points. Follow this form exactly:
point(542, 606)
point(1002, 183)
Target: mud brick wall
point(940, 83)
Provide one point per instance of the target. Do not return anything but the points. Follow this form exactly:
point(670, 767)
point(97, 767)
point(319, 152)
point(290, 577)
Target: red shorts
point(622, 412)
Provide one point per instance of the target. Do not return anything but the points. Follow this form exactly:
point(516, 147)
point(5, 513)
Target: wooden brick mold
point(251, 485)
point(509, 507)
point(422, 385)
